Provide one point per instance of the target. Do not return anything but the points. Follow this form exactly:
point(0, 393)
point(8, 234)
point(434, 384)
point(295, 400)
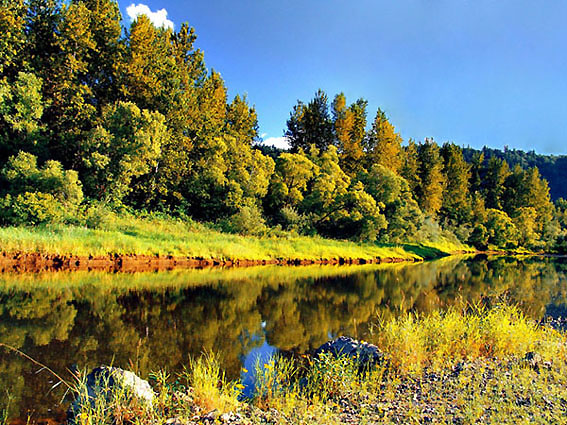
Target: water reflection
point(153, 321)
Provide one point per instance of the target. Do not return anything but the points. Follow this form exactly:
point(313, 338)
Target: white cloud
point(159, 18)
point(278, 142)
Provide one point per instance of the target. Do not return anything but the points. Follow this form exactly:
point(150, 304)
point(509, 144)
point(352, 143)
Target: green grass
point(418, 383)
point(153, 236)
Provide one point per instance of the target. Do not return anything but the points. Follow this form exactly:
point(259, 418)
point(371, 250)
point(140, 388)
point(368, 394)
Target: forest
point(97, 118)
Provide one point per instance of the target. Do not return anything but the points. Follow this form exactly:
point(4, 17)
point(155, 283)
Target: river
point(151, 321)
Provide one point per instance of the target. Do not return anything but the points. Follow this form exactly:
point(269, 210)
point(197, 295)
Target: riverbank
point(481, 366)
point(138, 244)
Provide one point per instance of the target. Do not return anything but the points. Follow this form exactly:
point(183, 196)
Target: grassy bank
point(160, 236)
point(481, 366)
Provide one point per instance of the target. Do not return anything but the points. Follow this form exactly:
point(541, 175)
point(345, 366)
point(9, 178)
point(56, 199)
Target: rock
point(103, 381)
point(366, 355)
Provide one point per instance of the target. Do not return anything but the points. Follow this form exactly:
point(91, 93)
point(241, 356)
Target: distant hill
point(552, 167)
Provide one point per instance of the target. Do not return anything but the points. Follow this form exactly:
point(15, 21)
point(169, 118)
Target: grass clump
point(211, 390)
point(440, 339)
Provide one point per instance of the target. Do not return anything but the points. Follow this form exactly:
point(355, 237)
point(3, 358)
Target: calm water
point(150, 321)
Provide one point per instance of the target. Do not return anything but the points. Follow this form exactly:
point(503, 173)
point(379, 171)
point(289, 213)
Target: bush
point(31, 208)
point(293, 220)
point(247, 221)
point(38, 195)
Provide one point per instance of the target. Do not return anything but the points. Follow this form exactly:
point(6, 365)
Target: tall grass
point(440, 339)
point(166, 236)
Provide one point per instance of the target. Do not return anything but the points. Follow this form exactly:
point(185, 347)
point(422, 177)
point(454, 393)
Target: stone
point(366, 355)
point(110, 378)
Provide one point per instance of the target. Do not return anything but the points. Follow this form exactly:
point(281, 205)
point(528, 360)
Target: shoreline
point(130, 263)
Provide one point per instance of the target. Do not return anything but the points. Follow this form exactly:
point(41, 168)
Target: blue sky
point(475, 72)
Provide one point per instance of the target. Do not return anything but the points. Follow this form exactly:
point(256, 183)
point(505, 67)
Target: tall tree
point(12, 40)
point(383, 144)
point(477, 165)
point(310, 124)
point(495, 176)
point(456, 201)
point(430, 192)
point(410, 166)
point(349, 126)
point(107, 55)
point(71, 112)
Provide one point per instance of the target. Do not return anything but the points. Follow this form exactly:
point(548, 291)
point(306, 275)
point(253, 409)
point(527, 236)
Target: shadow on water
point(149, 321)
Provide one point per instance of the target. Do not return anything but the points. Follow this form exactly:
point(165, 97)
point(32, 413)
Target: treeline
point(553, 168)
point(96, 117)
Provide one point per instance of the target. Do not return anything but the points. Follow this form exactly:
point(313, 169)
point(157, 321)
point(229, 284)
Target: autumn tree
point(383, 144)
point(349, 126)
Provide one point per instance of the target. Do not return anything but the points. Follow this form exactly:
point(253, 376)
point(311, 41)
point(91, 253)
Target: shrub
point(36, 195)
point(247, 221)
point(31, 208)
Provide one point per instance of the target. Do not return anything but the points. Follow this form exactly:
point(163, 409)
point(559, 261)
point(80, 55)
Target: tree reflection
point(158, 320)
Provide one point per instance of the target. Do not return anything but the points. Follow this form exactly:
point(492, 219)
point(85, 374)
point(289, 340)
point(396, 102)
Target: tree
point(288, 185)
point(21, 110)
point(125, 144)
point(403, 216)
point(339, 206)
point(42, 49)
point(242, 120)
point(501, 229)
point(493, 186)
point(456, 200)
point(383, 144)
point(33, 195)
point(310, 124)
point(477, 166)
point(107, 55)
point(410, 166)
point(432, 187)
point(349, 127)
point(71, 112)
point(12, 41)
point(525, 220)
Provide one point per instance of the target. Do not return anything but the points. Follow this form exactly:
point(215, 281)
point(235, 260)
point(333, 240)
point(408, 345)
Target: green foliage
point(125, 144)
point(247, 221)
point(501, 230)
point(456, 199)
point(35, 195)
point(148, 127)
point(21, 108)
point(401, 211)
point(31, 208)
point(310, 124)
point(432, 181)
